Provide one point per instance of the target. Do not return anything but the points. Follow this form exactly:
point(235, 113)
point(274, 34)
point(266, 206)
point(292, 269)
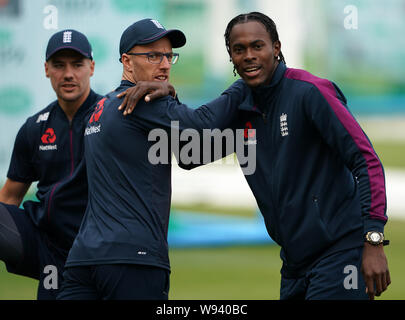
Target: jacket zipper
point(71, 169)
point(273, 173)
point(71, 149)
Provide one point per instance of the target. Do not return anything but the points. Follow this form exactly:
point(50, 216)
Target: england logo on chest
point(283, 125)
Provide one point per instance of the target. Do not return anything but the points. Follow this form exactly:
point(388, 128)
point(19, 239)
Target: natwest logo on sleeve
point(97, 111)
point(48, 138)
point(95, 117)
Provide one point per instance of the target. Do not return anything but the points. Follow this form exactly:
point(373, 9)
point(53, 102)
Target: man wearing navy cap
point(121, 250)
point(34, 241)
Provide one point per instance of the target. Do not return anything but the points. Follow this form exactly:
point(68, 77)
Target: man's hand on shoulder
point(151, 90)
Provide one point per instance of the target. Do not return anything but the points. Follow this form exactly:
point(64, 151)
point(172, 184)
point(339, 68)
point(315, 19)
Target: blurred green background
point(359, 44)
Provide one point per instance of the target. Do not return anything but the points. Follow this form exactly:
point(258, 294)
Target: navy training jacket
point(127, 215)
point(318, 181)
point(49, 149)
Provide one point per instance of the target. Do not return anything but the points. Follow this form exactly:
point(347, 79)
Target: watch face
point(375, 237)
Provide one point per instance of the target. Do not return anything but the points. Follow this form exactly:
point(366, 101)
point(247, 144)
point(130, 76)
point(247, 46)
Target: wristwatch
point(375, 238)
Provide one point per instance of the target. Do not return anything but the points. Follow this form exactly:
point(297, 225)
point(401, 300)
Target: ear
point(46, 69)
point(276, 48)
point(126, 62)
point(92, 64)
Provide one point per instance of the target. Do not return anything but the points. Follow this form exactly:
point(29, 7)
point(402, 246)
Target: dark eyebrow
point(61, 61)
point(250, 43)
point(257, 41)
point(237, 44)
point(160, 52)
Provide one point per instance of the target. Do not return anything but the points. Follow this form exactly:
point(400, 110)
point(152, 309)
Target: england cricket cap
point(69, 39)
point(147, 31)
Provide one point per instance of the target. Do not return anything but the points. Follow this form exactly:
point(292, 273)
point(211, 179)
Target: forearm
point(10, 199)
point(13, 192)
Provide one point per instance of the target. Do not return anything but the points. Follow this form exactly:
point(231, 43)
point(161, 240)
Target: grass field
point(391, 153)
point(235, 273)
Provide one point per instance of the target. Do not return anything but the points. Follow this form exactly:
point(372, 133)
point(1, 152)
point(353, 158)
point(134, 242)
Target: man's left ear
point(46, 69)
point(126, 62)
point(92, 67)
point(276, 48)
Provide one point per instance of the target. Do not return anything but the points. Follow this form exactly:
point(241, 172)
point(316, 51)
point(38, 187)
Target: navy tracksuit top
point(318, 181)
point(49, 149)
point(127, 215)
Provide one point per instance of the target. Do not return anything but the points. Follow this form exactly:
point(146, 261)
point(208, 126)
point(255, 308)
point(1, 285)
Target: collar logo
point(49, 136)
point(43, 117)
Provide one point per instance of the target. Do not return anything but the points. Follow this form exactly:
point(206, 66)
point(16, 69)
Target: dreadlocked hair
point(253, 16)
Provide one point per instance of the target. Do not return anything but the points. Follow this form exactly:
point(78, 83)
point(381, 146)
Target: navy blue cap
point(69, 39)
point(147, 31)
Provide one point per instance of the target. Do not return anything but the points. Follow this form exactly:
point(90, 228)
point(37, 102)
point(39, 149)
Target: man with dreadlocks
point(318, 181)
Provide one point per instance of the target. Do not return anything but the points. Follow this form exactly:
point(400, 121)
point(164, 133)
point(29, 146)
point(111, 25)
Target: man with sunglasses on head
point(121, 250)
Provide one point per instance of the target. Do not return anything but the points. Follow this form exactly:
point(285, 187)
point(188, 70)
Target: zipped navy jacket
point(318, 181)
point(127, 215)
point(49, 149)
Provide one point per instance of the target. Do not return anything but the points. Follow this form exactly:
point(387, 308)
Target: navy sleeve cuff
point(374, 225)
